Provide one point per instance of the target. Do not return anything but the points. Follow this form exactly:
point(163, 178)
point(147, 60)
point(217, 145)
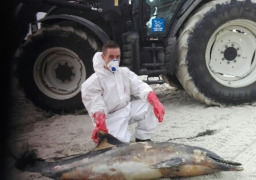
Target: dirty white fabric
point(136, 111)
point(110, 93)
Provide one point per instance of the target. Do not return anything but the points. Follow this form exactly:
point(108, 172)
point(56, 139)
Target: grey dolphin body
point(113, 159)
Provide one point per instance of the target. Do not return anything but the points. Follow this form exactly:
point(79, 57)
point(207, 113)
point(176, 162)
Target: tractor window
point(161, 12)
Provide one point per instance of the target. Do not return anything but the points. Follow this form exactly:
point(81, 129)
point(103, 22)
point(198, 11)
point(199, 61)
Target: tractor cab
point(153, 18)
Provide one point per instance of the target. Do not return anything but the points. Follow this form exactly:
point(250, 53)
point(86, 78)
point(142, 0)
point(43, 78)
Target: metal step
point(159, 81)
point(153, 65)
point(152, 72)
point(152, 48)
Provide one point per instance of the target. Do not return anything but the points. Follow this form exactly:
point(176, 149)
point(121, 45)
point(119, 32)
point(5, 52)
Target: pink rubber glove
point(99, 119)
point(158, 107)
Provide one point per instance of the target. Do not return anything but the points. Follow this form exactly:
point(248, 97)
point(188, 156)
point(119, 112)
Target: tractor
point(206, 47)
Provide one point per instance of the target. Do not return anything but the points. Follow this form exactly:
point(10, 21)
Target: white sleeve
point(138, 88)
point(92, 96)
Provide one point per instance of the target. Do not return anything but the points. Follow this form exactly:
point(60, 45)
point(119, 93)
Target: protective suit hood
point(99, 63)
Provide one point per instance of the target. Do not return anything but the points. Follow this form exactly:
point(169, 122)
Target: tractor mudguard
point(93, 27)
point(182, 15)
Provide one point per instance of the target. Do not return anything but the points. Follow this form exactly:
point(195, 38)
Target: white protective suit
point(110, 93)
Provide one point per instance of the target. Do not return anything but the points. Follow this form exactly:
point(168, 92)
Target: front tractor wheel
point(54, 63)
point(217, 45)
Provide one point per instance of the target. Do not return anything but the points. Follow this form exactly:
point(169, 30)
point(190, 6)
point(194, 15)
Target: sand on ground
point(57, 136)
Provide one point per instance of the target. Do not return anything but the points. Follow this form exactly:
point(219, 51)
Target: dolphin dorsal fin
point(107, 141)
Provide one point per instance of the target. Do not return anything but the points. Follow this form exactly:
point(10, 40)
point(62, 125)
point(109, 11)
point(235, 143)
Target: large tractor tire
point(216, 61)
point(171, 52)
point(55, 61)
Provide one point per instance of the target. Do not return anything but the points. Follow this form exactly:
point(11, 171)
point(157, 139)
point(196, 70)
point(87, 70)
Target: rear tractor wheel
point(55, 62)
point(217, 45)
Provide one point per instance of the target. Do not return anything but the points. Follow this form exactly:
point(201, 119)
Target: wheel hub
point(230, 53)
point(64, 72)
point(59, 73)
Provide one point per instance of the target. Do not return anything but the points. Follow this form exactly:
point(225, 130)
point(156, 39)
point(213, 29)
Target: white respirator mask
point(113, 65)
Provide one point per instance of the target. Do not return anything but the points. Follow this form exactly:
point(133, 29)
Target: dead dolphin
point(112, 159)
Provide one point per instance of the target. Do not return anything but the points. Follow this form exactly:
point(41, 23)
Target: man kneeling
point(106, 96)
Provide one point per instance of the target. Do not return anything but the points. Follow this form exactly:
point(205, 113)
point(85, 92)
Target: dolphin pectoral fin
point(107, 141)
point(174, 162)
